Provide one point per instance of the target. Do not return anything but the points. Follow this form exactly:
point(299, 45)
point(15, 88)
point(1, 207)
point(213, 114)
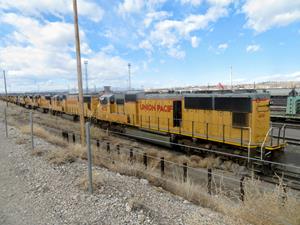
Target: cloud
point(86, 8)
point(43, 51)
point(293, 76)
point(146, 45)
point(265, 14)
point(49, 35)
point(131, 6)
point(195, 41)
point(176, 53)
point(223, 46)
point(192, 2)
point(153, 16)
point(169, 32)
point(253, 48)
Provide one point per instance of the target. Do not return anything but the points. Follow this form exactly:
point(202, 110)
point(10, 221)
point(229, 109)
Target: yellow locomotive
point(240, 121)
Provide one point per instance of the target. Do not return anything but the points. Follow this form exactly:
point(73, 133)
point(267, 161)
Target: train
point(285, 107)
point(235, 122)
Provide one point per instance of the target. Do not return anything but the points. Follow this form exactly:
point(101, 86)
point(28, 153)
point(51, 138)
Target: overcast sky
point(168, 43)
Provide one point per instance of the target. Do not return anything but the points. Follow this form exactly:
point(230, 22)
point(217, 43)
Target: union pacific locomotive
point(238, 122)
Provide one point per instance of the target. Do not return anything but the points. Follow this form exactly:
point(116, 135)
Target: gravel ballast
point(33, 191)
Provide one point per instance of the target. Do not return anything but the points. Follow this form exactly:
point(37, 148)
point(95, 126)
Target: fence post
point(284, 195)
point(118, 149)
point(5, 121)
point(74, 138)
point(31, 130)
point(89, 153)
point(98, 144)
point(145, 160)
point(131, 155)
point(162, 166)
point(242, 188)
point(184, 172)
point(67, 136)
point(209, 173)
point(108, 147)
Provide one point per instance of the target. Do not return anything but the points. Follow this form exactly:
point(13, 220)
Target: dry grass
point(272, 207)
point(21, 141)
point(44, 134)
point(60, 156)
point(258, 208)
point(97, 181)
point(37, 152)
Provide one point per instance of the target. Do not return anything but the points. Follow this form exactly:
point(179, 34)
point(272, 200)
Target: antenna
point(86, 77)
point(129, 77)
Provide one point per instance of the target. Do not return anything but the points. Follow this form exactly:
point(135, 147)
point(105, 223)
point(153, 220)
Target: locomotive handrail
point(262, 145)
point(249, 144)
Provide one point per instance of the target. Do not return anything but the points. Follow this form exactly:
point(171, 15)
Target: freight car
point(234, 122)
point(286, 107)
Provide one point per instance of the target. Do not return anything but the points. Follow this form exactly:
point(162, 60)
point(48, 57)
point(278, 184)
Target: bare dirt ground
point(33, 191)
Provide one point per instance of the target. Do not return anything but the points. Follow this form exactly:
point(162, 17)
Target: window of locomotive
point(88, 101)
point(112, 100)
point(103, 101)
point(240, 119)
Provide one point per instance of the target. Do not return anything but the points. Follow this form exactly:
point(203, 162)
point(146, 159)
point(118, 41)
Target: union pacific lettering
point(157, 108)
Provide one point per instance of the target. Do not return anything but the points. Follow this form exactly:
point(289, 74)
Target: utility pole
point(4, 77)
point(129, 77)
point(79, 73)
point(86, 77)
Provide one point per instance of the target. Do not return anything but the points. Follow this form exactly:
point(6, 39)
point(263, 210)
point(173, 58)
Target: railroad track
point(292, 141)
point(292, 179)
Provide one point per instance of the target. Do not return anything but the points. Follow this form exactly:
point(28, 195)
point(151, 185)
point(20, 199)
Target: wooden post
point(79, 73)
point(209, 174)
point(108, 147)
point(145, 160)
point(118, 149)
point(162, 166)
point(184, 172)
point(131, 155)
point(242, 188)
